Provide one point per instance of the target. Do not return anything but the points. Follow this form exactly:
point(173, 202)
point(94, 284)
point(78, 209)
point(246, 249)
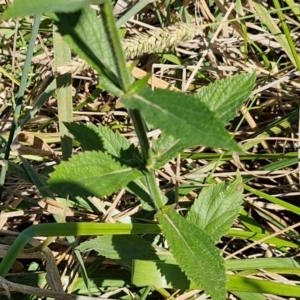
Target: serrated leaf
point(91, 173)
point(103, 139)
point(125, 249)
point(21, 8)
point(85, 34)
point(88, 136)
point(216, 208)
point(195, 253)
point(224, 97)
point(182, 116)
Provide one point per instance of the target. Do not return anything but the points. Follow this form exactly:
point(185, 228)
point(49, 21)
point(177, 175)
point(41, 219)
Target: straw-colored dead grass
point(225, 46)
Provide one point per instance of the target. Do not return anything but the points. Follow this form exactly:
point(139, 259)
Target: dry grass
point(224, 47)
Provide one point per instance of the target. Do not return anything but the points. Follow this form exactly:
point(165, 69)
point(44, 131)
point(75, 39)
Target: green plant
point(110, 162)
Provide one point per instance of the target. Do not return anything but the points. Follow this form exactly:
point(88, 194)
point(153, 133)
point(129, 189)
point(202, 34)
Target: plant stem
point(154, 190)
point(145, 293)
point(140, 129)
point(110, 29)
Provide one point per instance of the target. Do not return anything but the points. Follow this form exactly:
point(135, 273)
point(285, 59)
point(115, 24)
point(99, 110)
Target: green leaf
point(195, 253)
point(88, 136)
point(103, 139)
point(21, 8)
point(182, 116)
point(140, 189)
point(85, 34)
point(224, 97)
point(36, 179)
point(165, 148)
point(216, 208)
point(19, 171)
point(125, 249)
point(91, 173)
point(139, 85)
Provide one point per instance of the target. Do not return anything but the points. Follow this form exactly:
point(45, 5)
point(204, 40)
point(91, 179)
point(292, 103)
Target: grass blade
point(69, 229)
point(62, 55)
point(274, 29)
point(19, 99)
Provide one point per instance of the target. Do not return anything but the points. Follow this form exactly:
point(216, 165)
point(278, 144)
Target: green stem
point(112, 36)
point(154, 190)
point(140, 128)
point(145, 293)
point(164, 293)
